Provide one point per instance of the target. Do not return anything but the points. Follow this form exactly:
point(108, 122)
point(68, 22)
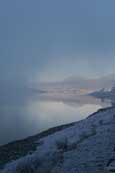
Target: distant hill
point(92, 83)
point(78, 84)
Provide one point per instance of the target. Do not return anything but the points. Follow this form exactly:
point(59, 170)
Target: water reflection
point(23, 113)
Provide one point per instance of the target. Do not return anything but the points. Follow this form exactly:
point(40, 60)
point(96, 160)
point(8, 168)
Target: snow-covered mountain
point(103, 94)
point(86, 146)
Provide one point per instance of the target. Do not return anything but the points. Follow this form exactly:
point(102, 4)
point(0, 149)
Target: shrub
point(62, 144)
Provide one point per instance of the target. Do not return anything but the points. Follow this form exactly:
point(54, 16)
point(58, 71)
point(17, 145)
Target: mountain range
point(77, 85)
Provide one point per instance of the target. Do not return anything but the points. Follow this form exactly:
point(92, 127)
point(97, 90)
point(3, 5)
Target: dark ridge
point(101, 110)
point(20, 148)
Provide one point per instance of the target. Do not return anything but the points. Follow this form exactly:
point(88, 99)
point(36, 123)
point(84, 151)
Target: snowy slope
point(85, 147)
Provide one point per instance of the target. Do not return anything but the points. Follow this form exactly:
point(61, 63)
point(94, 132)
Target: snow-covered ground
point(85, 147)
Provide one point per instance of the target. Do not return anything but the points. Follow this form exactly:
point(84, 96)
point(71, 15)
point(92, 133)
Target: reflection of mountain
point(88, 100)
point(76, 101)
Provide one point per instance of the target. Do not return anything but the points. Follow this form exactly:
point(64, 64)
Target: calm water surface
point(23, 115)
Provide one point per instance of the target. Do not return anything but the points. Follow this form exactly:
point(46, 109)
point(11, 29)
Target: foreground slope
point(85, 147)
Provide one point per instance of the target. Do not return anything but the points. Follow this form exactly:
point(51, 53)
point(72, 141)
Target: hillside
point(86, 146)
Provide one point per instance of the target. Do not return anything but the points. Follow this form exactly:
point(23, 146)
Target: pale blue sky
point(54, 39)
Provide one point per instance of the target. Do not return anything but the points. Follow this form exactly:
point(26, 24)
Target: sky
point(50, 40)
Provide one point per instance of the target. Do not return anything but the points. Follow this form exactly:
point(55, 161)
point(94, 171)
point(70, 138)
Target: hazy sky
point(54, 39)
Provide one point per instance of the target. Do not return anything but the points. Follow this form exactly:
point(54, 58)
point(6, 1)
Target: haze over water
point(48, 41)
point(24, 115)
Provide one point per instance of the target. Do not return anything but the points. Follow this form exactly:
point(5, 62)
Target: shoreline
point(19, 148)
